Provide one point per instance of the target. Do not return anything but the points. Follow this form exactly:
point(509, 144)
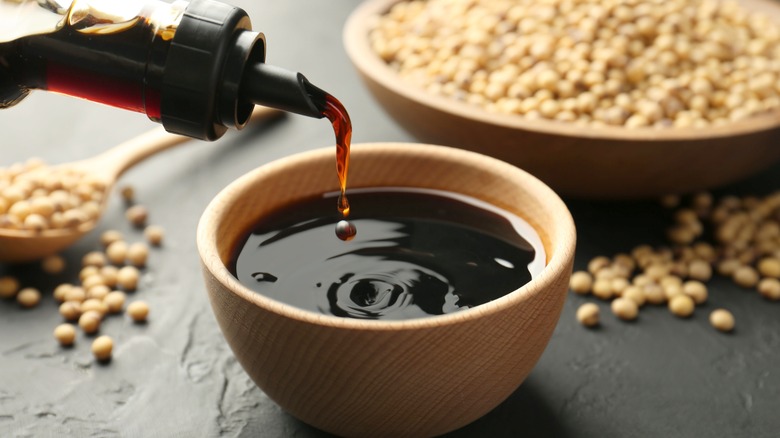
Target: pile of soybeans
point(738, 238)
point(38, 198)
point(629, 63)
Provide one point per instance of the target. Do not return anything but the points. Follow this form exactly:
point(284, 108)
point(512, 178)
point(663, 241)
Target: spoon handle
point(115, 161)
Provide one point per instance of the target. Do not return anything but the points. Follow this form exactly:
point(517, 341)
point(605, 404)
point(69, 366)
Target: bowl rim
point(368, 63)
point(560, 256)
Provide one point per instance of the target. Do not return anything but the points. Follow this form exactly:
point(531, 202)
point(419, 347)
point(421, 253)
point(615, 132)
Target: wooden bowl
point(609, 162)
point(417, 377)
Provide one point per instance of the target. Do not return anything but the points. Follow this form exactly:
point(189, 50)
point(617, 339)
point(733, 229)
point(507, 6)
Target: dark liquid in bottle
point(419, 253)
point(82, 57)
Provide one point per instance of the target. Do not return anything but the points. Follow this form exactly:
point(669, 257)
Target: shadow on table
point(525, 413)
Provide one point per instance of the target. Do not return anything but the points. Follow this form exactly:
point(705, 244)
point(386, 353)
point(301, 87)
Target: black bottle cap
point(211, 46)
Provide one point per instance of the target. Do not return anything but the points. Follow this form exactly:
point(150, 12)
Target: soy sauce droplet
point(345, 230)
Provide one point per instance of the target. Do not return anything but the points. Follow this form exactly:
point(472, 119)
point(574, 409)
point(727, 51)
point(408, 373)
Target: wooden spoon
point(24, 245)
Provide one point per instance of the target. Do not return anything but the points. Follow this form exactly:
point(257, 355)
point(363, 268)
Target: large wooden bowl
point(610, 162)
point(418, 377)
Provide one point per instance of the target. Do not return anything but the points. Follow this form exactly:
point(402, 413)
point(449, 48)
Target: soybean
point(60, 291)
point(154, 235)
point(722, 320)
point(53, 264)
point(110, 236)
point(137, 215)
point(102, 348)
point(127, 278)
point(696, 290)
point(588, 314)
point(70, 310)
point(769, 288)
point(94, 258)
point(769, 267)
point(28, 297)
point(681, 305)
point(137, 254)
point(90, 321)
point(9, 286)
point(115, 301)
point(625, 309)
point(138, 311)
point(65, 334)
point(581, 282)
point(116, 252)
point(602, 288)
point(745, 276)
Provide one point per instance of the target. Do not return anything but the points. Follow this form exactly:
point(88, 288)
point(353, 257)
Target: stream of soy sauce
point(342, 128)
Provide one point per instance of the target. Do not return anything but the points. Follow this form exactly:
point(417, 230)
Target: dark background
point(175, 376)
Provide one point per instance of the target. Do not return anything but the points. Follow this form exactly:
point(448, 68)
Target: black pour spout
point(282, 89)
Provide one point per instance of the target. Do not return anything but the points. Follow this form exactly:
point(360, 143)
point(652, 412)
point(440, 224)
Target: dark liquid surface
point(419, 253)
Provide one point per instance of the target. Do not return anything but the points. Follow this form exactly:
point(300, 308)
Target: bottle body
point(101, 51)
point(196, 67)
point(127, 54)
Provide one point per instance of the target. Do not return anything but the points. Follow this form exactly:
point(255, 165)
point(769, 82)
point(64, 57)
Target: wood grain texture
point(608, 162)
point(419, 377)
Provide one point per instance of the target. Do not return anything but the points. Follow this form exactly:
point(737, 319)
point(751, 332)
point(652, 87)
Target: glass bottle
point(197, 67)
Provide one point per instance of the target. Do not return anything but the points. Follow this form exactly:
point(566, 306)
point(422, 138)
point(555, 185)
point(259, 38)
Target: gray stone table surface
point(176, 377)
